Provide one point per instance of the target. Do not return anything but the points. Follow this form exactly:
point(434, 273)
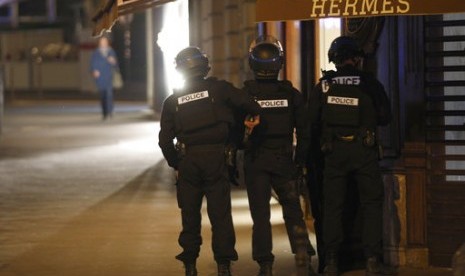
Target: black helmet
point(343, 48)
point(191, 63)
point(266, 57)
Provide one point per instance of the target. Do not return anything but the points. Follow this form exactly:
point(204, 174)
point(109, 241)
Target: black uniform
point(315, 168)
point(348, 105)
point(199, 117)
point(269, 164)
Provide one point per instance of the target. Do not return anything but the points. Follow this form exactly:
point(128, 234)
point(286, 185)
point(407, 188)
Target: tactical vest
point(343, 101)
point(196, 111)
point(277, 116)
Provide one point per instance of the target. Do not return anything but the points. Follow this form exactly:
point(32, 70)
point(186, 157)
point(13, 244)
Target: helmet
point(191, 63)
point(343, 48)
point(266, 57)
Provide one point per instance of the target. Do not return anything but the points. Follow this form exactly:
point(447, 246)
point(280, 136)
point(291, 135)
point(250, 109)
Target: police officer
point(199, 117)
point(269, 161)
point(349, 105)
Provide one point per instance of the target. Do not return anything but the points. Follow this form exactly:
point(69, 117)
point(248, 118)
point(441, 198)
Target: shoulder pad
point(329, 74)
point(212, 79)
point(287, 86)
point(367, 75)
point(249, 83)
point(171, 98)
point(250, 86)
point(216, 83)
point(220, 82)
point(285, 83)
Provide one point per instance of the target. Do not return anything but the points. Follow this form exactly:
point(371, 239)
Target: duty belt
point(205, 147)
point(368, 138)
point(282, 150)
point(347, 138)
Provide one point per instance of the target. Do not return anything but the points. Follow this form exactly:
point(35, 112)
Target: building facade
point(421, 62)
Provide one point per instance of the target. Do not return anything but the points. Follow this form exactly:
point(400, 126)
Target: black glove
point(327, 147)
point(230, 155)
point(233, 174)
point(301, 179)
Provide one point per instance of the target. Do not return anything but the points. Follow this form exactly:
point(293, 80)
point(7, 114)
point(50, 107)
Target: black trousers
point(315, 189)
point(353, 159)
point(264, 171)
point(106, 101)
point(203, 173)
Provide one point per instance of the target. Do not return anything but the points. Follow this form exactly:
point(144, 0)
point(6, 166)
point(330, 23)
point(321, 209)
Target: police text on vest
point(343, 101)
point(193, 97)
point(347, 80)
point(273, 103)
point(344, 80)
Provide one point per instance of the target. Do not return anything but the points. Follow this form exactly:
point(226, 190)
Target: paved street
point(79, 196)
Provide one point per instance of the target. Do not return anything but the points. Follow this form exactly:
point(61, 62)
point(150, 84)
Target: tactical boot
point(311, 271)
point(224, 269)
point(375, 267)
point(301, 254)
point(266, 269)
point(301, 258)
point(331, 267)
point(190, 268)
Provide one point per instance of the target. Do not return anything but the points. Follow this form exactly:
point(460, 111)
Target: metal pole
point(51, 11)
point(39, 79)
point(2, 86)
point(14, 14)
point(12, 82)
point(150, 66)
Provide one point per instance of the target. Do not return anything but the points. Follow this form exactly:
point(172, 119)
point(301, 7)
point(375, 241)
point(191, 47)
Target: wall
point(223, 29)
point(21, 73)
point(1, 99)
point(17, 45)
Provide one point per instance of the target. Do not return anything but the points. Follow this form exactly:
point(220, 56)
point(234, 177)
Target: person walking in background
point(103, 65)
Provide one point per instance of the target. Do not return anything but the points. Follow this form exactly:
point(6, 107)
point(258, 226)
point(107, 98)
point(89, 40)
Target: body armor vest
point(277, 116)
point(346, 105)
point(196, 111)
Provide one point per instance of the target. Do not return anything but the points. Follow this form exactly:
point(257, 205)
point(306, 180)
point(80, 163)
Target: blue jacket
point(100, 63)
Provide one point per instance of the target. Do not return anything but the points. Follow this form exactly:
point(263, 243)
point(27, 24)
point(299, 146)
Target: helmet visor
point(266, 39)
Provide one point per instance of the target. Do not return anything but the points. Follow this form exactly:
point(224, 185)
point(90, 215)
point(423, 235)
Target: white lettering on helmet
point(347, 80)
point(273, 103)
point(192, 97)
point(343, 101)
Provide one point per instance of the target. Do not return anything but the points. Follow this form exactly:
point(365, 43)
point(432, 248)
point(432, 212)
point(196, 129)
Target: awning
point(281, 10)
point(105, 17)
point(110, 10)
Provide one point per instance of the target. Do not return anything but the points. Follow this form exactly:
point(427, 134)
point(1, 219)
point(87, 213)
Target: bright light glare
point(331, 23)
point(329, 29)
point(174, 37)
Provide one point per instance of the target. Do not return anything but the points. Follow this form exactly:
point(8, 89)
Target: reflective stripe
point(342, 101)
point(273, 103)
point(192, 97)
